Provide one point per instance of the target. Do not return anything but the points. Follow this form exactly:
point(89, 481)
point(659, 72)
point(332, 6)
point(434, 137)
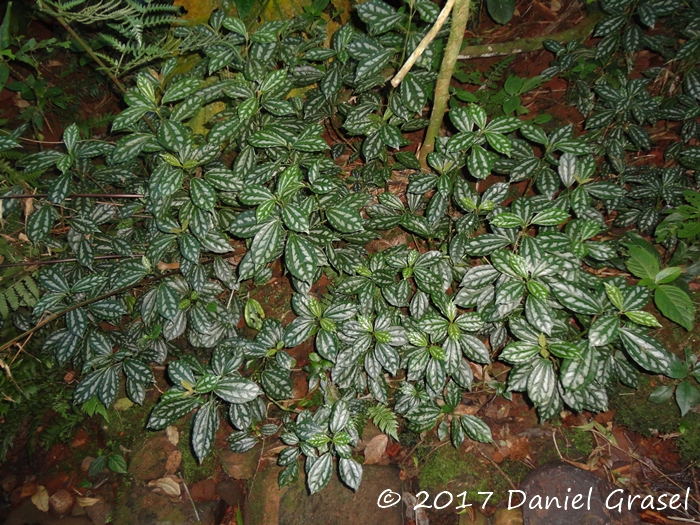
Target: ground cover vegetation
point(242, 143)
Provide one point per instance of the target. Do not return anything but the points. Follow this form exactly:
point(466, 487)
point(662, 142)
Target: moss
point(689, 440)
point(444, 465)
point(634, 410)
point(192, 470)
point(125, 426)
point(448, 465)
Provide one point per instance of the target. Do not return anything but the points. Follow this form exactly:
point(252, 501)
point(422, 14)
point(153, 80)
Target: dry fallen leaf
point(173, 462)
point(555, 5)
point(86, 502)
point(41, 499)
point(166, 486)
point(173, 434)
point(375, 449)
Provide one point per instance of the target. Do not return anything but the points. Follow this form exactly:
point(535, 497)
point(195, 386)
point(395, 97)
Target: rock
point(143, 506)
point(507, 517)
point(204, 490)
point(264, 500)
point(61, 502)
point(232, 492)
point(28, 513)
point(149, 462)
point(174, 461)
point(555, 480)
point(375, 449)
point(474, 517)
point(9, 483)
point(240, 466)
point(98, 512)
point(336, 503)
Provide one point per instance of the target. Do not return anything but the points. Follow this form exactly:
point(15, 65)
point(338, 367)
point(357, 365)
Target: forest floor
point(642, 447)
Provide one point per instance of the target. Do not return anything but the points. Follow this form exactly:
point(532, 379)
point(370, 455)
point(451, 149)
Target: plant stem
point(427, 39)
point(90, 52)
point(442, 93)
point(97, 59)
point(527, 45)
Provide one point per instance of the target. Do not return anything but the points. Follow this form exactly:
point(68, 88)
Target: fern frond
point(385, 419)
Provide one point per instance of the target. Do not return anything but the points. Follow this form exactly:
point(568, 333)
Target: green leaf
point(662, 394)
point(550, 217)
point(687, 396)
point(117, 463)
point(575, 298)
point(40, 223)
point(643, 318)
point(476, 429)
point(604, 330)
point(202, 194)
point(204, 426)
point(237, 390)
point(350, 472)
point(675, 304)
point(319, 474)
point(647, 352)
point(344, 219)
point(300, 258)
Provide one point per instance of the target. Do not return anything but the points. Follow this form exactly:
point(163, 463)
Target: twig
point(512, 485)
point(196, 513)
point(527, 45)
point(72, 259)
point(427, 39)
point(442, 87)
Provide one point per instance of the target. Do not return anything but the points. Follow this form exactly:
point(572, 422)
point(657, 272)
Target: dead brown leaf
point(165, 486)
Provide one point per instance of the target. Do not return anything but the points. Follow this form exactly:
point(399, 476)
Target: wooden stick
point(527, 45)
point(427, 39)
point(442, 86)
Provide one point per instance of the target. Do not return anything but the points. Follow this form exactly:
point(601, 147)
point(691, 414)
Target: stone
point(150, 460)
point(338, 504)
point(232, 492)
point(474, 517)
point(554, 480)
point(204, 490)
point(143, 506)
point(61, 502)
point(508, 517)
point(264, 498)
point(28, 513)
point(9, 483)
point(98, 512)
point(240, 466)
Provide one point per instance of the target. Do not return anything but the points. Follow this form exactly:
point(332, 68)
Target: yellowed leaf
point(86, 502)
point(123, 404)
point(41, 499)
point(198, 11)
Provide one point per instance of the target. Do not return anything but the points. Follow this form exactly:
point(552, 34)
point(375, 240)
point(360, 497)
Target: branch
point(427, 39)
point(76, 195)
point(442, 93)
point(527, 45)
